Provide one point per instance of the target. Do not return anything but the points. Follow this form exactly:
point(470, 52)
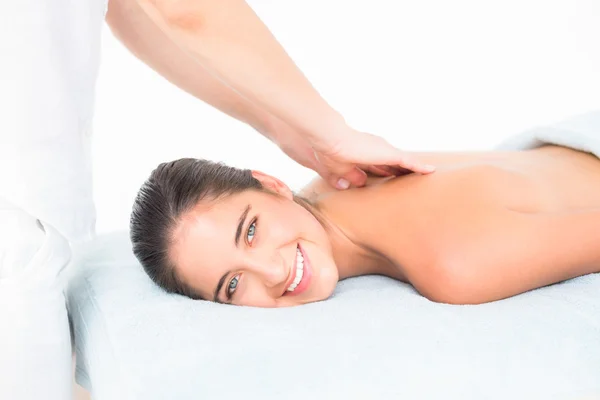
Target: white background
point(427, 75)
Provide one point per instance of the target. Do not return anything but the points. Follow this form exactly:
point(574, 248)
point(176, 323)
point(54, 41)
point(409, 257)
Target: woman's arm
point(511, 252)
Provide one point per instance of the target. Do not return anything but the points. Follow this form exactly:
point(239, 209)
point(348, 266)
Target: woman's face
point(255, 249)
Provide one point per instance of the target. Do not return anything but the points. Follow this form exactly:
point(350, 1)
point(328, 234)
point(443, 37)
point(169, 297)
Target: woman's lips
point(306, 276)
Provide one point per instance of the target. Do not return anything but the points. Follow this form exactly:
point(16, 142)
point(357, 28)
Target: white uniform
point(49, 59)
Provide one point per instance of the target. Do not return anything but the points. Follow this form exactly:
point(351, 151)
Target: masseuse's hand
point(343, 160)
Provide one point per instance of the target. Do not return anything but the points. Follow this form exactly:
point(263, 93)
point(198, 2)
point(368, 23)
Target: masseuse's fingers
point(385, 170)
point(384, 155)
point(377, 170)
point(340, 175)
point(345, 162)
point(349, 176)
point(343, 157)
point(337, 175)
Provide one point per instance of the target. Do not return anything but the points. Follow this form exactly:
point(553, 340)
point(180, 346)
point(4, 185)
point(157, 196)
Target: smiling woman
point(485, 226)
point(214, 232)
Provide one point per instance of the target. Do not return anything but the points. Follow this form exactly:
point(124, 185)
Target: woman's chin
point(314, 295)
point(307, 300)
point(323, 290)
point(328, 281)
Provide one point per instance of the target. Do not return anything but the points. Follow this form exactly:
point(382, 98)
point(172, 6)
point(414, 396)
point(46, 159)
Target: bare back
point(549, 178)
point(415, 218)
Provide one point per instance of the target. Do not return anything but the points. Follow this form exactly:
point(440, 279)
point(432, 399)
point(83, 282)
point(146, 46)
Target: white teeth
point(300, 260)
point(299, 271)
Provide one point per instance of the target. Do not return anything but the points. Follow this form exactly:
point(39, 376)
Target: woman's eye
point(251, 232)
point(232, 285)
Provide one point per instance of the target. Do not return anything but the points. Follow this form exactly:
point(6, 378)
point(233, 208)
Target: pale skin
point(484, 227)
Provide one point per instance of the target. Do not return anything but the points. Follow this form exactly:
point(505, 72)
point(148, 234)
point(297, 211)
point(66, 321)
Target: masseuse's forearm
point(134, 28)
point(229, 40)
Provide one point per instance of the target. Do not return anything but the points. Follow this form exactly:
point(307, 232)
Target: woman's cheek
point(287, 229)
point(253, 294)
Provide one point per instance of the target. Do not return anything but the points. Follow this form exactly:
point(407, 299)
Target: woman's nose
point(271, 267)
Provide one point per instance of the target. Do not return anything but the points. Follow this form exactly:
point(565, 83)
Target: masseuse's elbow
point(183, 14)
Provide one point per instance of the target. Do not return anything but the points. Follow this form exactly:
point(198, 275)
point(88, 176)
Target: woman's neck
point(351, 257)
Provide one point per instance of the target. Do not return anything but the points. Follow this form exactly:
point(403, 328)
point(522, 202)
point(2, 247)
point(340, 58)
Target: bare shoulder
point(319, 186)
point(314, 188)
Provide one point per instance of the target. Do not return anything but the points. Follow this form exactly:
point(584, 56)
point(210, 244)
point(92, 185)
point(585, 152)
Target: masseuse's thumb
point(339, 175)
point(346, 175)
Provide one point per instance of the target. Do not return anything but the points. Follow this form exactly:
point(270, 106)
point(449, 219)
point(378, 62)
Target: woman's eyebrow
point(241, 221)
point(238, 233)
point(219, 286)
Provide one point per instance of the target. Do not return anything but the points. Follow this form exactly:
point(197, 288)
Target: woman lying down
point(483, 227)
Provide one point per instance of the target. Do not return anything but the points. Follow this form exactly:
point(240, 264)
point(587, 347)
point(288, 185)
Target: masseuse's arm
point(222, 53)
point(151, 45)
point(228, 39)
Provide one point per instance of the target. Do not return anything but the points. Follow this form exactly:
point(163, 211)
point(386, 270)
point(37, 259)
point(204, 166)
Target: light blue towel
point(375, 338)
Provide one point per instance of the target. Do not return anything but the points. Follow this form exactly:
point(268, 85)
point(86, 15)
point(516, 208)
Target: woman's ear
point(273, 184)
